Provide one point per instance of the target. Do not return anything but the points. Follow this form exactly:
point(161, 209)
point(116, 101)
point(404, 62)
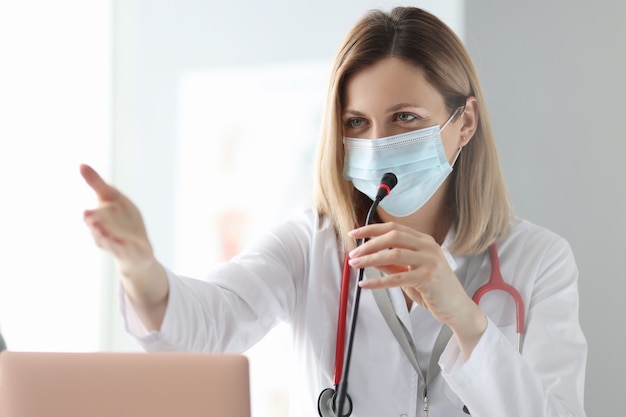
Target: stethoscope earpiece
point(326, 404)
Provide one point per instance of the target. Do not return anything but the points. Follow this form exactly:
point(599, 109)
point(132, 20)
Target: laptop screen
point(99, 384)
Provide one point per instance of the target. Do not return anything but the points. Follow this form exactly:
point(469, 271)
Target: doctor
point(404, 97)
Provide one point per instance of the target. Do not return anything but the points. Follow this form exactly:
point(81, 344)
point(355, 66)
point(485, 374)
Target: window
point(54, 114)
point(246, 140)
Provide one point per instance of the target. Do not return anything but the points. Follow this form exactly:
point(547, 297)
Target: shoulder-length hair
point(478, 201)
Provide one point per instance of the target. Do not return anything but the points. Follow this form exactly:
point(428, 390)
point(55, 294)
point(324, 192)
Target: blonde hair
point(478, 202)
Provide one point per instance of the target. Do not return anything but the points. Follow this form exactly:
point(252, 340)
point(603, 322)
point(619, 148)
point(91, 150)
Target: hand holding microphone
point(415, 262)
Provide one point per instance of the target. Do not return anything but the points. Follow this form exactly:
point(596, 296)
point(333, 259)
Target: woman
point(404, 98)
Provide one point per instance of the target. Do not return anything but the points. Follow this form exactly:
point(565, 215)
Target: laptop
point(116, 384)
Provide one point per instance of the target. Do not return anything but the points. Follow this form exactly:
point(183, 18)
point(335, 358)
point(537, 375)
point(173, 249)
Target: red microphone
point(388, 181)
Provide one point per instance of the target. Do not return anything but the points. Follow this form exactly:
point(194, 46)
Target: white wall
point(553, 74)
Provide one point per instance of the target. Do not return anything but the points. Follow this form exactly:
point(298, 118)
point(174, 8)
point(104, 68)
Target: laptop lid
point(106, 384)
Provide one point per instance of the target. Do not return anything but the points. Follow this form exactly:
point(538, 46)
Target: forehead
point(387, 83)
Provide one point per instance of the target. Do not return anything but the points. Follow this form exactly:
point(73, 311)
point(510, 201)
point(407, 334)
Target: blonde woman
point(404, 98)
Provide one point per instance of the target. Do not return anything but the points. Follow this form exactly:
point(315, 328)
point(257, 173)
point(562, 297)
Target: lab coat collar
point(446, 253)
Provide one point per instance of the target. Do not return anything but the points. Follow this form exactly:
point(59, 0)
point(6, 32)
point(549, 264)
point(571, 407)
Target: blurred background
point(175, 101)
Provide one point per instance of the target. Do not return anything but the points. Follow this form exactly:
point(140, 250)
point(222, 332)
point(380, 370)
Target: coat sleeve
point(238, 302)
point(547, 379)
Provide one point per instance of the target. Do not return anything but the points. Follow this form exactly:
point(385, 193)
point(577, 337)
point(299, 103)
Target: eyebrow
point(403, 105)
point(352, 112)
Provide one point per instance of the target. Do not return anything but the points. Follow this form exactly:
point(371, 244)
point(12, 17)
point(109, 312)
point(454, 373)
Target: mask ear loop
point(452, 117)
point(456, 157)
point(444, 126)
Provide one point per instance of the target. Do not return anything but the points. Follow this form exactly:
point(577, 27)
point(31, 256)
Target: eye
point(405, 117)
point(355, 123)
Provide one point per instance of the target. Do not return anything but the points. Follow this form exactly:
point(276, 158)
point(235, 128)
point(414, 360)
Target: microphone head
point(387, 182)
point(390, 180)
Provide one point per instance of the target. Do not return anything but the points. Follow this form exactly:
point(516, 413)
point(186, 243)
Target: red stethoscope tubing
point(341, 320)
point(495, 283)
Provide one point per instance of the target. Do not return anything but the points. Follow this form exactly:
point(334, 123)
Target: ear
point(470, 121)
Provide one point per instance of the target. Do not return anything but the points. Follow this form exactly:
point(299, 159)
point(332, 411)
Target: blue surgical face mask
point(417, 158)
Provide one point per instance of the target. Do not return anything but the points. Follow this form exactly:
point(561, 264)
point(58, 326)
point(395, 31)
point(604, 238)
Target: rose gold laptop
point(35, 384)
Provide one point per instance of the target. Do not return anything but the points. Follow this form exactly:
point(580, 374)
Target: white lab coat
point(293, 274)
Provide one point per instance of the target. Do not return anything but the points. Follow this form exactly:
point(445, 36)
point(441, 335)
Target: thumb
point(94, 180)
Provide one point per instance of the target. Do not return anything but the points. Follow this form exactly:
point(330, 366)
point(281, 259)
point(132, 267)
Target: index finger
point(376, 229)
point(95, 181)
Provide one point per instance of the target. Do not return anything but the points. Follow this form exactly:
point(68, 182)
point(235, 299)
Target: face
point(393, 97)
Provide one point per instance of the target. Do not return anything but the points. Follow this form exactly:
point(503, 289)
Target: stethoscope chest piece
point(326, 404)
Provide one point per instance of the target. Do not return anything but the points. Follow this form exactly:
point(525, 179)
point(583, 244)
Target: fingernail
point(354, 261)
point(353, 232)
point(354, 252)
point(364, 284)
